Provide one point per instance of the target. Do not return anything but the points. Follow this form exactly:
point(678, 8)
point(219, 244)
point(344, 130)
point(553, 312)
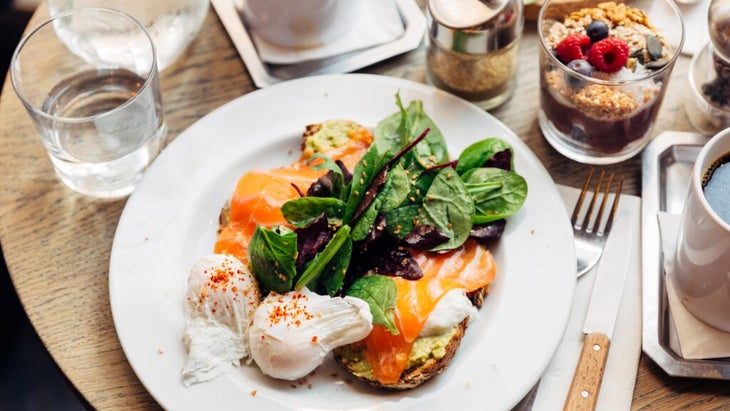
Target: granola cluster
point(602, 102)
point(648, 51)
point(627, 23)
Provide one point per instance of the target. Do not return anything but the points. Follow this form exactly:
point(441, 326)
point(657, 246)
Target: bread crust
point(416, 375)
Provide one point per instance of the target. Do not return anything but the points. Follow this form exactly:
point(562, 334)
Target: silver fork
point(590, 239)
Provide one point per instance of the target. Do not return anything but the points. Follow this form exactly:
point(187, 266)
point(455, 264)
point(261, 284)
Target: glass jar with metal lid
point(472, 48)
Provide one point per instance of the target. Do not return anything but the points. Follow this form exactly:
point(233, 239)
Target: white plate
point(171, 220)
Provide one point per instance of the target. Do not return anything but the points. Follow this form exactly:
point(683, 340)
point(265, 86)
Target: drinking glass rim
point(670, 64)
point(149, 77)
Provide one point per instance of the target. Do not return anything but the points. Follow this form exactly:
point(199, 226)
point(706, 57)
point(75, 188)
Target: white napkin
point(617, 388)
point(697, 340)
point(377, 22)
point(696, 33)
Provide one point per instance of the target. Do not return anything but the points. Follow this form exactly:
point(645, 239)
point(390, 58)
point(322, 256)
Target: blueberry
point(597, 31)
point(579, 66)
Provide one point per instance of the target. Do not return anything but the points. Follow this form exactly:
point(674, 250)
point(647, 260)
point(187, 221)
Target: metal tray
point(667, 165)
point(264, 74)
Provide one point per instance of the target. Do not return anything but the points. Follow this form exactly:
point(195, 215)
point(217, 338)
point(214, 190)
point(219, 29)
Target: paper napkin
point(696, 33)
point(697, 340)
point(377, 22)
point(623, 359)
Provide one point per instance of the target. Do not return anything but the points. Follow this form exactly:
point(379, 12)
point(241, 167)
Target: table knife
point(600, 318)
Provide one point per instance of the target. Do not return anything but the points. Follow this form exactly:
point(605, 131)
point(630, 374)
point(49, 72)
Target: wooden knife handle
point(583, 393)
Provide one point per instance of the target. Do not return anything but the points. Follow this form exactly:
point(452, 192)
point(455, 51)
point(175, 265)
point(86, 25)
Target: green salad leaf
point(272, 258)
point(380, 292)
point(449, 207)
point(478, 153)
point(322, 260)
point(496, 193)
point(397, 130)
point(301, 211)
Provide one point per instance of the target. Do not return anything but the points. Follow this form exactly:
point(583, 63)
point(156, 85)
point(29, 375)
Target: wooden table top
point(57, 243)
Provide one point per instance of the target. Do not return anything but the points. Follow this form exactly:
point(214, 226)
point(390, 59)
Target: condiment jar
point(472, 48)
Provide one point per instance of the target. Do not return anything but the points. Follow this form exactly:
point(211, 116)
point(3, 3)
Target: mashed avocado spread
point(331, 134)
point(424, 348)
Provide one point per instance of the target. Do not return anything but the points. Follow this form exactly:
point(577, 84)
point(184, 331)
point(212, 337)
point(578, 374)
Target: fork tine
point(588, 237)
point(579, 203)
point(614, 207)
point(587, 218)
point(599, 217)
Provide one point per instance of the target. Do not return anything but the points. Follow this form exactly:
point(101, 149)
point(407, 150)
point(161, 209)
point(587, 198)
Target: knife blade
point(600, 318)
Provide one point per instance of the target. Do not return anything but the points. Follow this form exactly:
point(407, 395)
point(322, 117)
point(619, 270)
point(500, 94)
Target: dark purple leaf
point(345, 172)
point(370, 194)
point(380, 252)
point(323, 187)
point(485, 233)
point(501, 159)
point(425, 237)
point(311, 239)
point(397, 261)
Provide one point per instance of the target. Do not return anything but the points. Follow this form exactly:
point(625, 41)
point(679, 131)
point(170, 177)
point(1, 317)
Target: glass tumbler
point(604, 70)
point(173, 24)
point(88, 78)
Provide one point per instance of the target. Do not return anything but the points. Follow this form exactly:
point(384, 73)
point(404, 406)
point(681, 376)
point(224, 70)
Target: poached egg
point(221, 298)
point(292, 333)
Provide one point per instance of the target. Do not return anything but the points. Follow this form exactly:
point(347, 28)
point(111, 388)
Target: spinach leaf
point(272, 258)
point(333, 275)
point(496, 193)
point(301, 211)
point(393, 192)
point(360, 188)
point(402, 220)
point(480, 152)
point(322, 259)
point(380, 293)
point(364, 224)
point(448, 207)
point(398, 129)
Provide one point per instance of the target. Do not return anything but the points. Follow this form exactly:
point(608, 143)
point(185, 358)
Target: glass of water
point(89, 80)
point(173, 24)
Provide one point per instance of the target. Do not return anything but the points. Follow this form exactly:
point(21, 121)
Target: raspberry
point(573, 47)
point(609, 54)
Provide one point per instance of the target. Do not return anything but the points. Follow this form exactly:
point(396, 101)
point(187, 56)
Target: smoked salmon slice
point(259, 194)
point(469, 268)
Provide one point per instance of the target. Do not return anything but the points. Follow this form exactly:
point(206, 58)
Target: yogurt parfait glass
point(604, 70)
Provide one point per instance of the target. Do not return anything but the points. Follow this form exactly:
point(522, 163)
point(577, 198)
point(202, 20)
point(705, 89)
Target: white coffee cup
point(701, 272)
point(300, 23)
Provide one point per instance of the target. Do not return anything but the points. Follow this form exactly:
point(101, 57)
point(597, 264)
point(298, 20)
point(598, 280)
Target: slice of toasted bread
point(429, 357)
